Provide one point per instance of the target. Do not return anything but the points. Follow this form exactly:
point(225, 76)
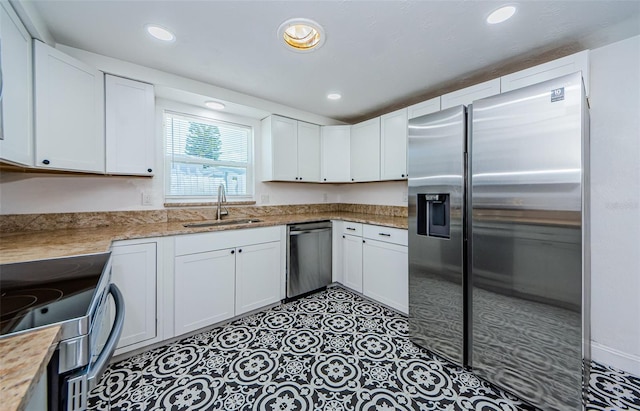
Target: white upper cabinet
point(129, 122)
point(69, 112)
point(291, 150)
point(468, 95)
point(308, 152)
point(335, 149)
point(16, 145)
point(548, 71)
point(393, 144)
point(365, 151)
point(423, 108)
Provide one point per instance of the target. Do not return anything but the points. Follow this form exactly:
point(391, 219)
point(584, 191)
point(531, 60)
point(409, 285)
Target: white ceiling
point(379, 54)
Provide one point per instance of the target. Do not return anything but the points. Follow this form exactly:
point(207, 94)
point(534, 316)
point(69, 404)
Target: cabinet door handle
point(403, 176)
point(325, 179)
point(240, 250)
point(363, 241)
point(344, 237)
point(149, 170)
point(385, 234)
point(46, 162)
point(233, 251)
point(351, 229)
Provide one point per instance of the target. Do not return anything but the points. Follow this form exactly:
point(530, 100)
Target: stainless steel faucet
point(222, 198)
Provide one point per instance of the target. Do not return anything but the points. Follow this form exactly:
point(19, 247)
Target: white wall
point(615, 210)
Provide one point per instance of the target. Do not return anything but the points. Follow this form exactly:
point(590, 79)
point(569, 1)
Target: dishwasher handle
point(316, 230)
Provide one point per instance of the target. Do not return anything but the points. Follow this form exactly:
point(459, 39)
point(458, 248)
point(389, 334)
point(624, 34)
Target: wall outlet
point(405, 196)
point(325, 197)
point(147, 199)
point(264, 198)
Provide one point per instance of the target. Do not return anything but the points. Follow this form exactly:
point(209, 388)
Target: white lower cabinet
point(375, 263)
point(204, 289)
point(352, 262)
point(220, 275)
point(385, 274)
point(257, 276)
point(134, 271)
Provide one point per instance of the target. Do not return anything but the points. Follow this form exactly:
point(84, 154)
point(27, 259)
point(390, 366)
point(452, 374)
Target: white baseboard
point(614, 358)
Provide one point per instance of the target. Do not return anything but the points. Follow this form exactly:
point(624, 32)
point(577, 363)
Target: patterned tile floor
point(331, 351)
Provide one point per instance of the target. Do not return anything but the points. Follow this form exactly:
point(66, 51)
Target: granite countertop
point(24, 356)
point(36, 245)
point(23, 359)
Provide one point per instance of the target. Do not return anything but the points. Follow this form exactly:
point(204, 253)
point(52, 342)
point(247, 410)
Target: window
point(203, 153)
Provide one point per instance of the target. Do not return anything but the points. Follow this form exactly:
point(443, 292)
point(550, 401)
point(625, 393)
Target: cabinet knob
point(240, 250)
point(296, 178)
point(46, 162)
point(325, 179)
point(233, 251)
point(403, 176)
point(353, 179)
point(363, 241)
point(343, 237)
point(149, 170)
point(300, 178)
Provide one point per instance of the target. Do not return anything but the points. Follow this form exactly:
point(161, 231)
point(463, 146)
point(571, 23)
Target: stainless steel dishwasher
point(308, 258)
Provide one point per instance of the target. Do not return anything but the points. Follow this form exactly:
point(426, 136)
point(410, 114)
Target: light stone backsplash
point(12, 223)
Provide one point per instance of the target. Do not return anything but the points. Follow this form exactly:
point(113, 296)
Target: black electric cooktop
point(38, 293)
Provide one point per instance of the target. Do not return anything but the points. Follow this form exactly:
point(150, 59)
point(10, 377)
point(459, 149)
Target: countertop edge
point(18, 381)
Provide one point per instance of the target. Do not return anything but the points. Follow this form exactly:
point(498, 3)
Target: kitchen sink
point(222, 222)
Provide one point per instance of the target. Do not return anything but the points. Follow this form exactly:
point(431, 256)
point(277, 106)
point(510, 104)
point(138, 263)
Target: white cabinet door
point(393, 145)
point(129, 122)
point(385, 274)
point(365, 151)
point(352, 262)
point(204, 289)
point(133, 270)
point(16, 145)
point(467, 95)
point(257, 276)
point(423, 108)
point(69, 112)
point(336, 146)
point(308, 152)
point(280, 149)
point(548, 71)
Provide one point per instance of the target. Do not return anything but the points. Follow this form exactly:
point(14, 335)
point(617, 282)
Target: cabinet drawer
point(386, 234)
point(352, 228)
point(203, 242)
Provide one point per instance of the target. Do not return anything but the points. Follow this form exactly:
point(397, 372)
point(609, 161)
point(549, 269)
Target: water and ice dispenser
point(434, 215)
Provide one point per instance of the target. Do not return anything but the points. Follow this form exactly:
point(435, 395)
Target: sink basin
point(222, 222)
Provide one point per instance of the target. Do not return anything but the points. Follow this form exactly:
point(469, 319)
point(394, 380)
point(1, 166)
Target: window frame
point(188, 111)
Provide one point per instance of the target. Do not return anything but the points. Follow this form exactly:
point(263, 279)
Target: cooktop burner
point(42, 292)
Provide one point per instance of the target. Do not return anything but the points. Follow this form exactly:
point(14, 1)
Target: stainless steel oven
point(72, 292)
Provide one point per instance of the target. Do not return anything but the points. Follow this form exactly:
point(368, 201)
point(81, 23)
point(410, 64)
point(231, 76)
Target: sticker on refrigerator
point(557, 94)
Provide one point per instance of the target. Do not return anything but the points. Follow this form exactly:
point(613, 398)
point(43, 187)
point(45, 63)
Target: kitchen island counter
point(23, 360)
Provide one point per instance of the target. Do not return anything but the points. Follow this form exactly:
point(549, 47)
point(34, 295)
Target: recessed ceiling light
point(501, 14)
point(334, 96)
point(160, 33)
point(301, 35)
point(214, 105)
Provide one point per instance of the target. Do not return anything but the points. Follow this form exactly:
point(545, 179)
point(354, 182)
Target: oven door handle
point(96, 371)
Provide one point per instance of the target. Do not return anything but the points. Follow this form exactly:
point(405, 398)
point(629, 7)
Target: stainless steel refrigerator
point(498, 239)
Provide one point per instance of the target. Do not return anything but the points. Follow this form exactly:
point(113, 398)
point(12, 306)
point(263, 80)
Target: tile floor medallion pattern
point(332, 351)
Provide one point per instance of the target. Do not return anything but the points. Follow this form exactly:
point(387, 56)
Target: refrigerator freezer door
point(436, 193)
point(526, 151)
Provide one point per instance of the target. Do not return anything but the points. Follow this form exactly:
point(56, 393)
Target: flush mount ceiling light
point(501, 14)
point(160, 33)
point(214, 105)
point(334, 96)
point(301, 35)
